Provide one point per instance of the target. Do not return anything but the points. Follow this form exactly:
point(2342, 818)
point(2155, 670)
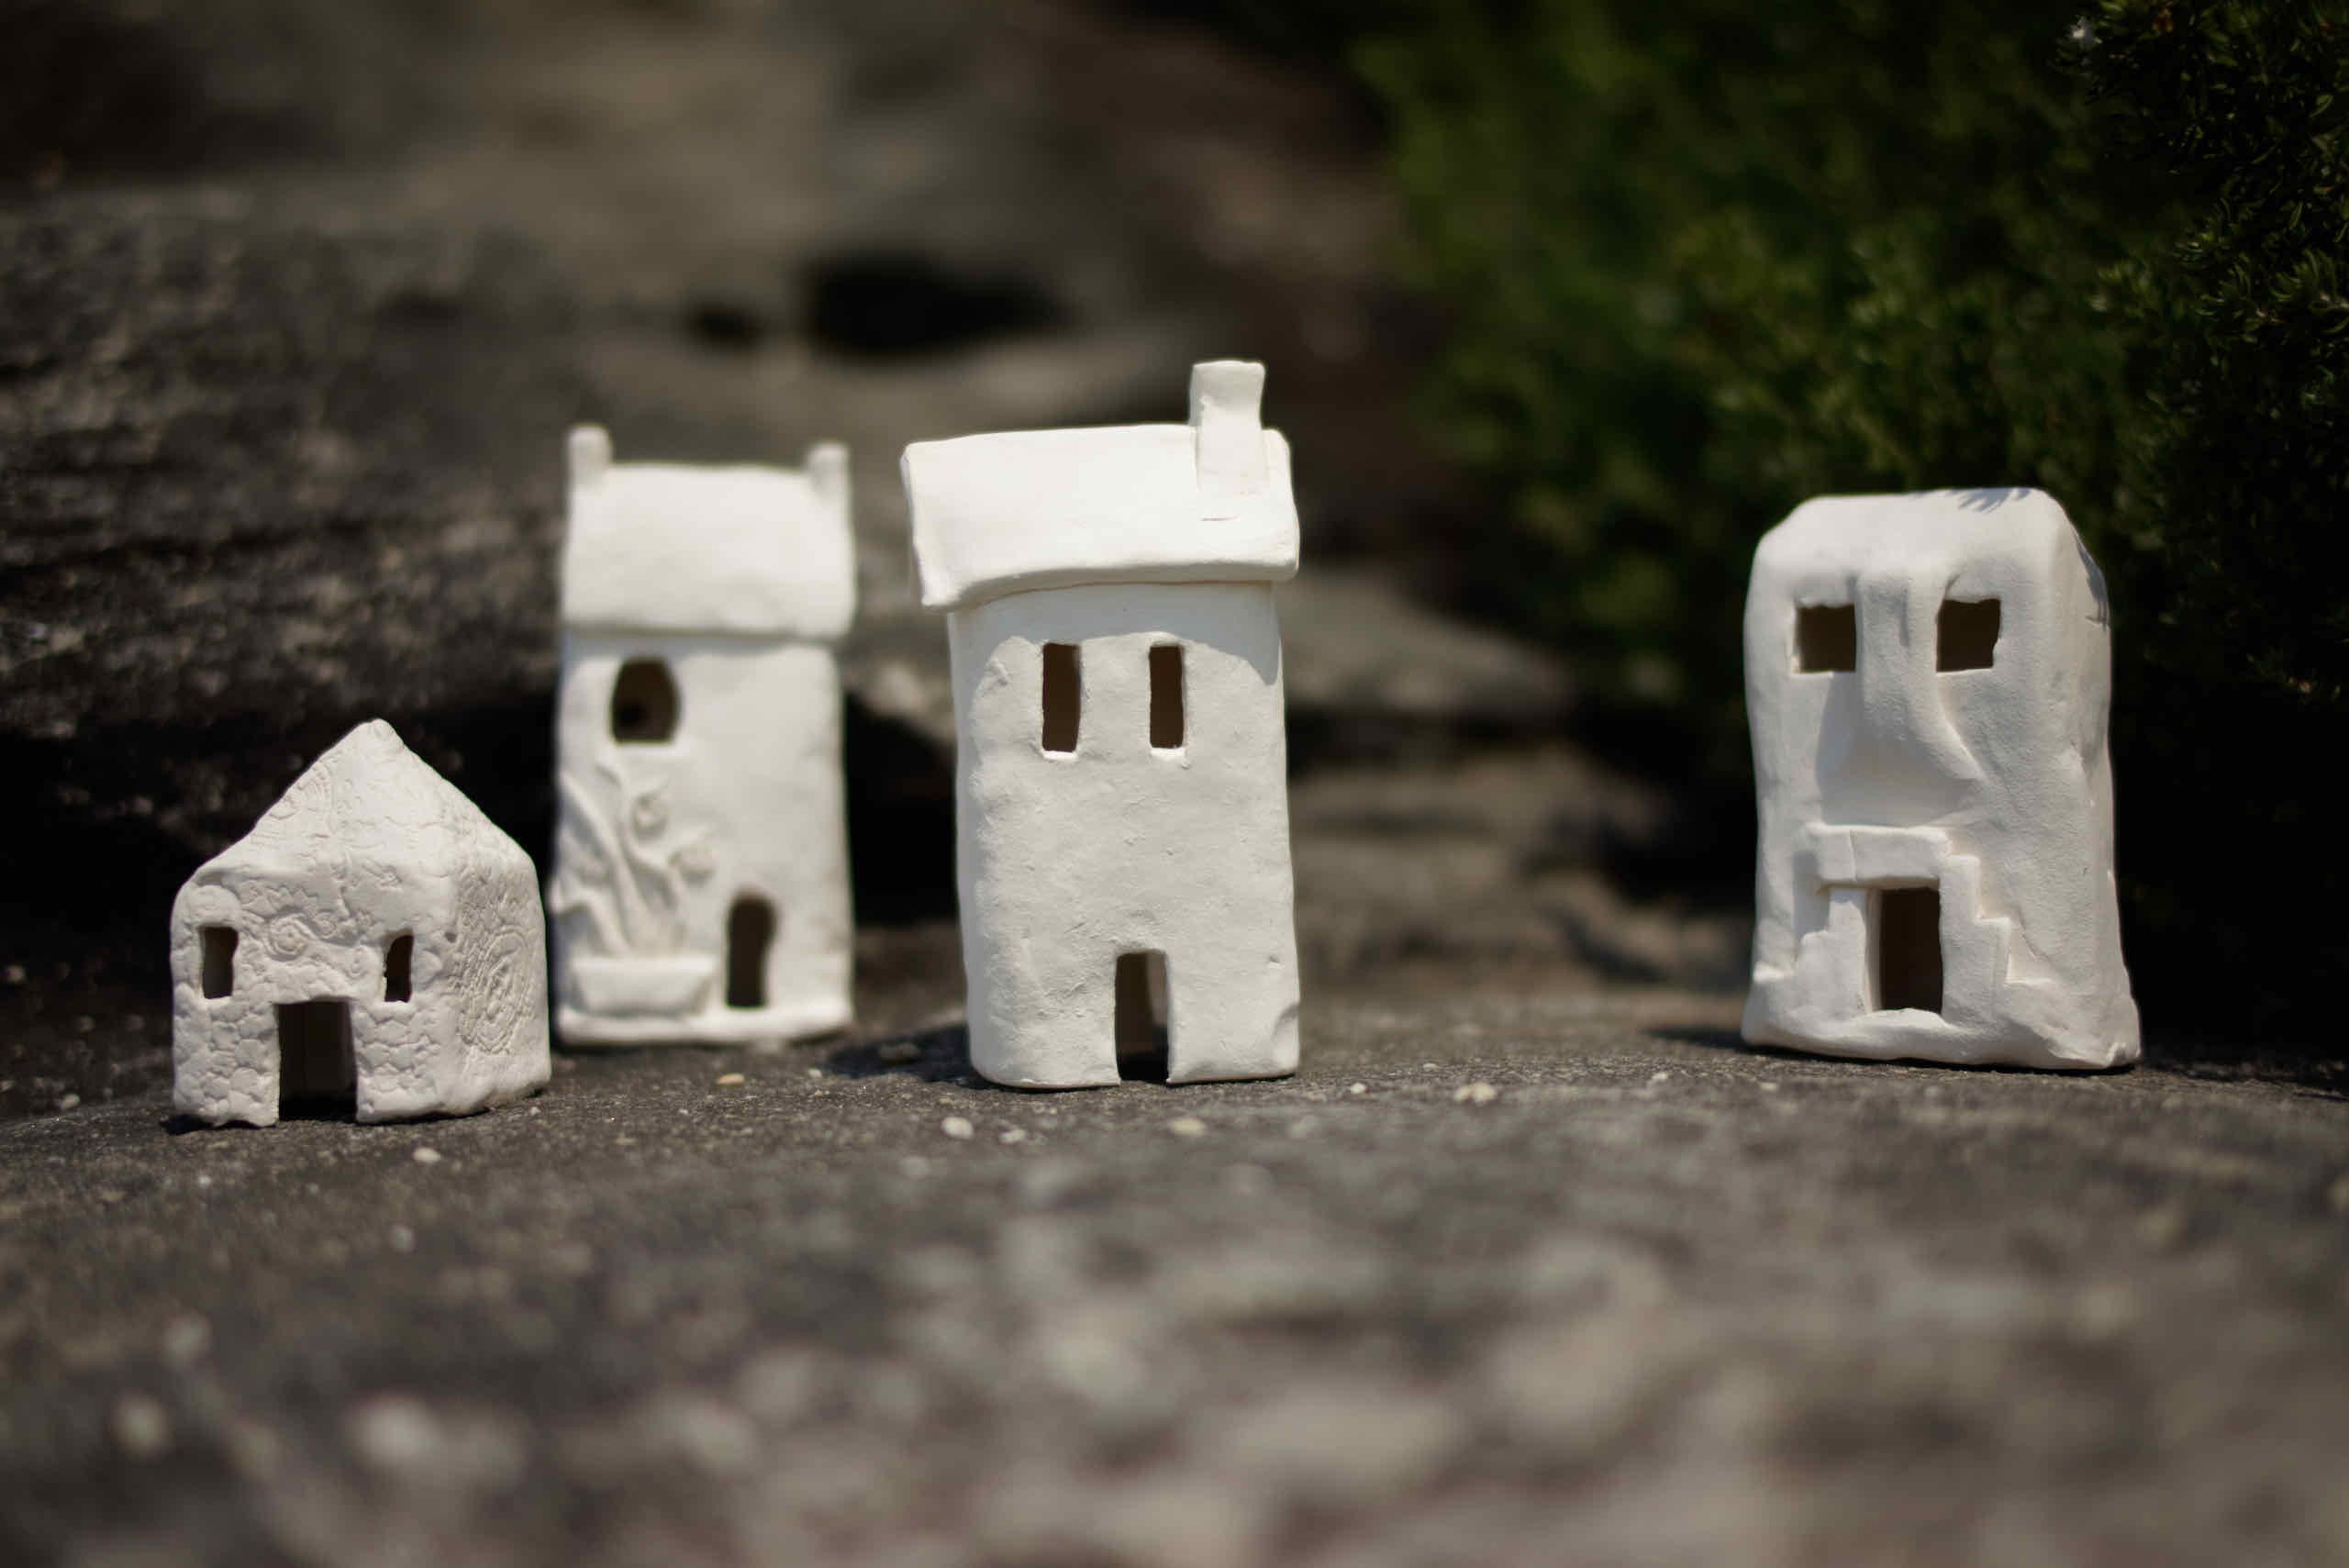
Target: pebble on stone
point(141, 1426)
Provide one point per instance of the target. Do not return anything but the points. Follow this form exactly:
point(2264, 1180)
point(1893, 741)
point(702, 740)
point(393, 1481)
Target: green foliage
point(1704, 258)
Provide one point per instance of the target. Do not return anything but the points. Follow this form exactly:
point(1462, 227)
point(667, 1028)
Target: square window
point(1968, 634)
point(1827, 638)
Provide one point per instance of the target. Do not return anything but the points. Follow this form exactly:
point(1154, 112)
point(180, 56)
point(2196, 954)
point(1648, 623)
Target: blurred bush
point(1702, 259)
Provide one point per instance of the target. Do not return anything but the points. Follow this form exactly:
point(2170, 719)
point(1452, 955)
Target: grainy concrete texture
point(1519, 1271)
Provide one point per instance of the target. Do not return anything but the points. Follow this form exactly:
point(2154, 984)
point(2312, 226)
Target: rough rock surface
point(1516, 1270)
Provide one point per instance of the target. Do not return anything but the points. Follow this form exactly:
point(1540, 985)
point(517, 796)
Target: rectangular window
point(1166, 697)
point(219, 960)
point(1827, 638)
point(397, 960)
point(1063, 696)
point(1968, 634)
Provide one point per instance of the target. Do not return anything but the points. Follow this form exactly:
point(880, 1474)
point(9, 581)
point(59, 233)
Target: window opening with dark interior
point(1166, 697)
point(397, 957)
point(645, 702)
point(1827, 638)
point(1141, 1025)
point(1063, 696)
point(219, 960)
point(317, 1070)
point(1968, 634)
point(750, 930)
point(1907, 931)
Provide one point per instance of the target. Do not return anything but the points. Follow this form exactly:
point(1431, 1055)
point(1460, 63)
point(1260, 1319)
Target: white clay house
point(700, 887)
point(374, 947)
point(1928, 679)
point(1122, 802)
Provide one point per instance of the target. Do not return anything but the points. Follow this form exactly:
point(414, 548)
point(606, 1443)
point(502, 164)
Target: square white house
point(701, 885)
point(1929, 680)
point(1122, 803)
point(374, 947)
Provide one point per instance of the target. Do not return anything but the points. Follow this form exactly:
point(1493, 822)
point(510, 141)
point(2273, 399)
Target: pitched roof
point(664, 547)
point(367, 803)
point(1208, 501)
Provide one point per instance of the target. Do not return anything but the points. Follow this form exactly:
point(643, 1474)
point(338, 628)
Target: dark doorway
point(318, 1075)
point(1908, 949)
point(750, 930)
point(1142, 1023)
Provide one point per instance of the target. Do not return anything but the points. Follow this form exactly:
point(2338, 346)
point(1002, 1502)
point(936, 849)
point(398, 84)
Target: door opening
point(1143, 1024)
point(750, 930)
point(1907, 931)
point(318, 1075)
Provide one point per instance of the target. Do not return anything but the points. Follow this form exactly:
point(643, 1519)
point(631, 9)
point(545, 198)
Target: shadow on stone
point(886, 304)
point(937, 1055)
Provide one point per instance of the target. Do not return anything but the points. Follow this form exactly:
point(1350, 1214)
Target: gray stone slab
point(1518, 1269)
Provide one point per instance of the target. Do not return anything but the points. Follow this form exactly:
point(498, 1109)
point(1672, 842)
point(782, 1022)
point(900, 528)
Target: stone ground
point(1521, 1268)
point(1533, 1262)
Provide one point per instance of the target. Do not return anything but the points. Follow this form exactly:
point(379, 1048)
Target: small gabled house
point(1122, 801)
point(701, 885)
point(1927, 680)
point(375, 944)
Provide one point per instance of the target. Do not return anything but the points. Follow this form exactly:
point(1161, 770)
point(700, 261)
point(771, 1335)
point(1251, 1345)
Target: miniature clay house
point(1121, 802)
point(1928, 680)
point(700, 887)
point(374, 945)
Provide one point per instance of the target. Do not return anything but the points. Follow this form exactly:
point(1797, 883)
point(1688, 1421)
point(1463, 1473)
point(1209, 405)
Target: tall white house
point(1928, 680)
point(700, 888)
point(1122, 801)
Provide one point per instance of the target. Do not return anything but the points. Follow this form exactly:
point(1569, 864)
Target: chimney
point(591, 454)
point(827, 474)
point(1226, 396)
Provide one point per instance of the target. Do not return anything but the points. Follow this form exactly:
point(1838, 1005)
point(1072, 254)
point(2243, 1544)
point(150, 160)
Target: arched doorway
point(750, 931)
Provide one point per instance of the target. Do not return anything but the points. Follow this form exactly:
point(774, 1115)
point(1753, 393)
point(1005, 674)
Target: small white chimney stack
point(1227, 401)
point(591, 455)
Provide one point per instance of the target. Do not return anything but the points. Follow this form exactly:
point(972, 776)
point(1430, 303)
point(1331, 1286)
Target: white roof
point(1205, 502)
point(368, 803)
point(662, 547)
point(1845, 533)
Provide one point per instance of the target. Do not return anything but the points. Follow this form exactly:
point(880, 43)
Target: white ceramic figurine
point(1122, 801)
point(374, 945)
point(700, 888)
point(1928, 680)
